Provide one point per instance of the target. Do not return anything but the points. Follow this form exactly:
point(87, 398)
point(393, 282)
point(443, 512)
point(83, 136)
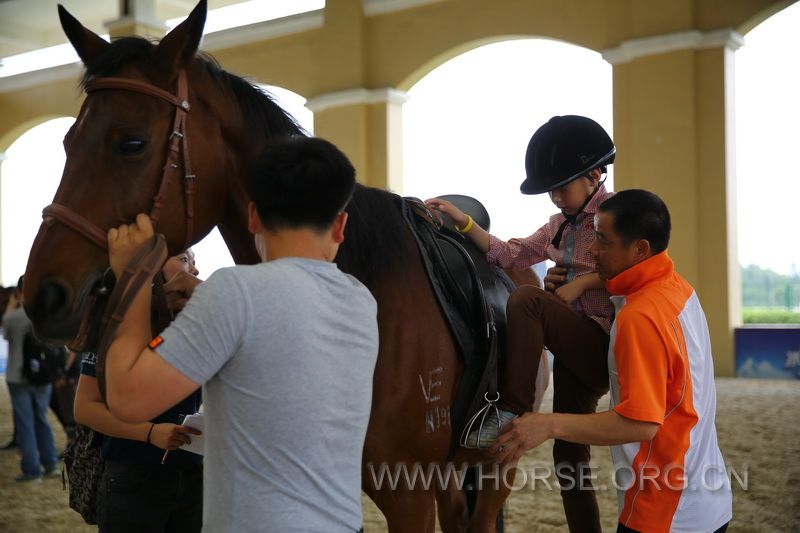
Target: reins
point(140, 270)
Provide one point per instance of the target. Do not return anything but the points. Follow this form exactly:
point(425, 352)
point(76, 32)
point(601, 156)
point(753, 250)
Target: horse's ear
point(178, 47)
point(88, 44)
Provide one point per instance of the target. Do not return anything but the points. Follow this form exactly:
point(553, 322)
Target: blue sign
point(768, 352)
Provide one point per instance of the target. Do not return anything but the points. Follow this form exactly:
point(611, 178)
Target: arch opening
point(768, 184)
point(29, 182)
point(467, 123)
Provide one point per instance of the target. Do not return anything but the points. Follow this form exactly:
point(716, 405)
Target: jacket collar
point(652, 269)
point(599, 197)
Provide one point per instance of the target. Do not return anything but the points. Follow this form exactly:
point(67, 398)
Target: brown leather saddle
point(472, 295)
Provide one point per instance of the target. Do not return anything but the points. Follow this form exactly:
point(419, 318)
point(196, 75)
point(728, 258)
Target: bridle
point(178, 149)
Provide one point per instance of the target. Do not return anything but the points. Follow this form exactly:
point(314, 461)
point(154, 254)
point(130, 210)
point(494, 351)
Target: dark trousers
point(13, 442)
point(579, 346)
point(62, 403)
point(133, 498)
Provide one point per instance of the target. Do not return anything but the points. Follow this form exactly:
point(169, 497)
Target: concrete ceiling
point(27, 25)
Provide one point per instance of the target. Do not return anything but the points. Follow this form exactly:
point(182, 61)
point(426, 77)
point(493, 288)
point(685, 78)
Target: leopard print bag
point(84, 468)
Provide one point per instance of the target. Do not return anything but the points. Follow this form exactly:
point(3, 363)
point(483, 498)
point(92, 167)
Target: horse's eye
point(130, 145)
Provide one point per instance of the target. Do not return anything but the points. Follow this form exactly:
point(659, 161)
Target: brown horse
point(128, 152)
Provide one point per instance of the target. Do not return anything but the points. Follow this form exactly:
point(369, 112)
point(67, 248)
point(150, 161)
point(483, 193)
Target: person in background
point(137, 492)
point(5, 295)
point(29, 402)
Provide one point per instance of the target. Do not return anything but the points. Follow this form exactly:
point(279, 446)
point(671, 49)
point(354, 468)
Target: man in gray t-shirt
point(285, 352)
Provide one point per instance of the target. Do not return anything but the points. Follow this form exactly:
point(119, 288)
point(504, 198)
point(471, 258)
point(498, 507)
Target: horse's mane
point(259, 110)
point(375, 239)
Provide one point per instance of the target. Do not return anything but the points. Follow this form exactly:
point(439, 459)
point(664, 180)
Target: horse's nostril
point(50, 301)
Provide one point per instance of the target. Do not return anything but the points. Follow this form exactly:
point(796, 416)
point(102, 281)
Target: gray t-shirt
point(15, 325)
point(286, 351)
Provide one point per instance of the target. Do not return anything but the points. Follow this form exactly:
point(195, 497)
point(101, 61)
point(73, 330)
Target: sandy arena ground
point(759, 432)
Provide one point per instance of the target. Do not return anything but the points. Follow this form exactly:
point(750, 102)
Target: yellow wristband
point(467, 226)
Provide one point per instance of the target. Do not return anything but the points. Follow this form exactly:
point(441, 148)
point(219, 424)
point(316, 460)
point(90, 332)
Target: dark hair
point(19, 283)
point(640, 214)
point(301, 182)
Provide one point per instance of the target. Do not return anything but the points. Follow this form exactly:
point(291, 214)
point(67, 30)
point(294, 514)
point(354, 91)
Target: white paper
point(196, 421)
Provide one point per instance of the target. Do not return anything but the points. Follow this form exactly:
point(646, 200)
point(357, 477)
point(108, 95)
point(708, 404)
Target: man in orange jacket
point(669, 470)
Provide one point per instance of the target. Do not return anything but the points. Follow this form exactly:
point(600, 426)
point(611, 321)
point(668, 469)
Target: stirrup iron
point(479, 418)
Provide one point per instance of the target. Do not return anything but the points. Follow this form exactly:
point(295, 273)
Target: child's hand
point(571, 291)
point(556, 277)
point(443, 206)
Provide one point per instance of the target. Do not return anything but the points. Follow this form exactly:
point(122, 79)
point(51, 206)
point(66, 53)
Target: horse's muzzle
point(50, 305)
point(56, 320)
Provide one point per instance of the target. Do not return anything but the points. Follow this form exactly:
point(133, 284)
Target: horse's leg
point(415, 385)
point(452, 509)
point(494, 483)
point(406, 511)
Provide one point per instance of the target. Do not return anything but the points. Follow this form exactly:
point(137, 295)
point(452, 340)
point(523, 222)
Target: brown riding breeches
point(579, 345)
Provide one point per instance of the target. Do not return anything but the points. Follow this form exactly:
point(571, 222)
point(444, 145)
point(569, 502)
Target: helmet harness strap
point(571, 219)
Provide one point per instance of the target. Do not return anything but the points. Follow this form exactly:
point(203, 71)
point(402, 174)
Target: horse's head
point(153, 118)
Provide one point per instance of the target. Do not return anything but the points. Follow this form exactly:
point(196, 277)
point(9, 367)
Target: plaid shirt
point(518, 254)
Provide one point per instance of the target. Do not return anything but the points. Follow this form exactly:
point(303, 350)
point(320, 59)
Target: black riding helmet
point(564, 149)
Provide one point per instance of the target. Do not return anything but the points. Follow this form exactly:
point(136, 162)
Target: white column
point(366, 124)
point(140, 19)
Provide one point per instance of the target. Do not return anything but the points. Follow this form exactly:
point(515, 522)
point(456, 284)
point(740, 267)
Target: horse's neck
point(233, 227)
point(238, 240)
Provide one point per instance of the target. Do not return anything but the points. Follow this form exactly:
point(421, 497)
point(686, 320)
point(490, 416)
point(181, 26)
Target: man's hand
point(556, 277)
point(125, 240)
point(520, 435)
point(172, 436)
point(179, 289)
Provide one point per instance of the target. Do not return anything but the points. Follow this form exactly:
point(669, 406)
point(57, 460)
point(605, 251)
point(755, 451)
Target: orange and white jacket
point(661, 371)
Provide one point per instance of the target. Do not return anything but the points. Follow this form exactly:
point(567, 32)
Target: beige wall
point(23, 109)
point(671, 106)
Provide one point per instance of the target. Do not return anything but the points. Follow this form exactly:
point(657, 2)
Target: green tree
point(769, 297)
